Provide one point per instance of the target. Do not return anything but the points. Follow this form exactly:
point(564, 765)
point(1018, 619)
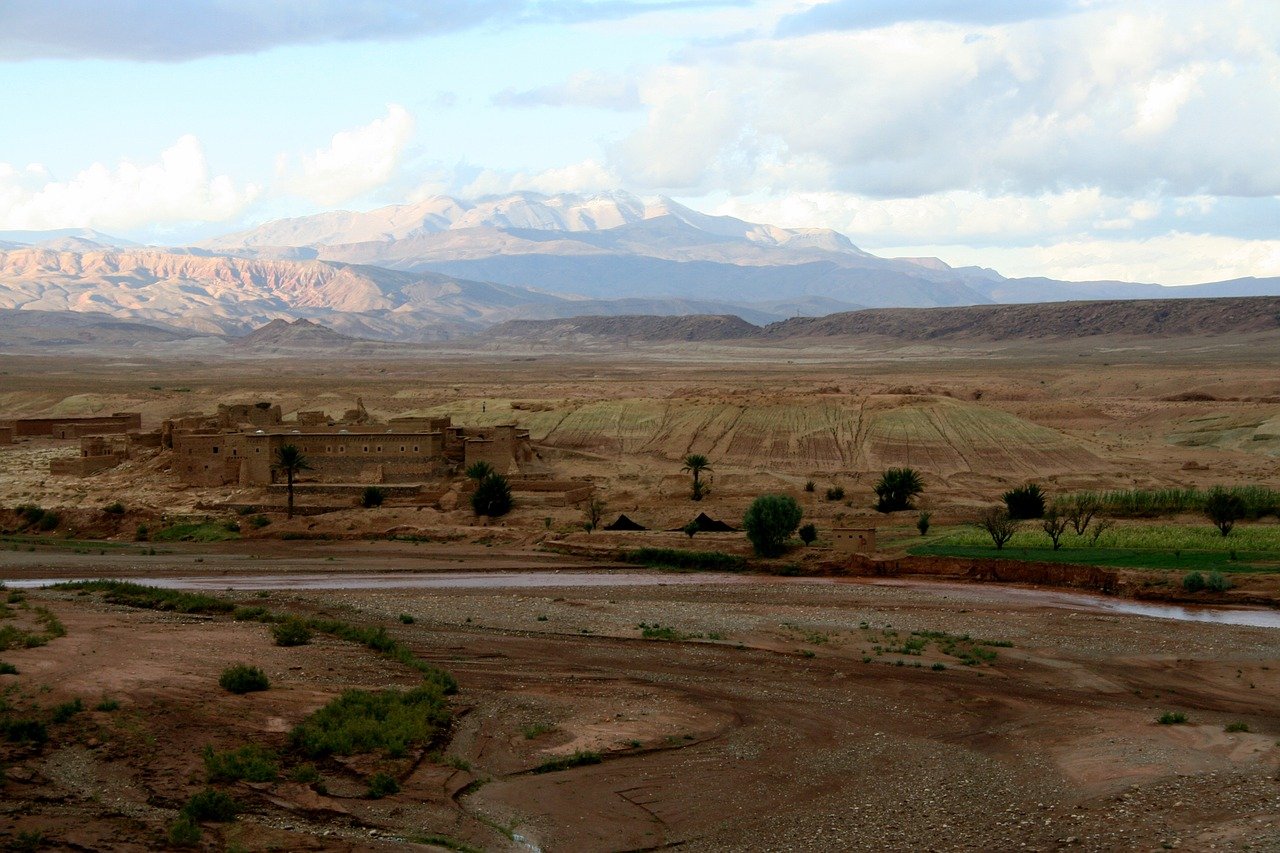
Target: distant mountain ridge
point(442, 268)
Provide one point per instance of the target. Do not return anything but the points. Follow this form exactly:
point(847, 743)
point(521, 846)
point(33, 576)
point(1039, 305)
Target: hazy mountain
point(28, 329)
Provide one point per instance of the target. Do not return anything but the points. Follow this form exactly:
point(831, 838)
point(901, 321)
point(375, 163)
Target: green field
point(1249, 548)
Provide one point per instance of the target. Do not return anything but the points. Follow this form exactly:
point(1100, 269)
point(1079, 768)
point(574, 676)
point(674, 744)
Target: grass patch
point(363, 721)
point(1172, 718)
point(291, 632)
point(382, 785)
point(535, 730)
point(679, 558)
point(24, 731)
point(242, 678)
point(1234, 728)
point(64, 712)
point(250, 762)
point(107, 704)
point(152, 598)
point(7, 668)
point(1259, 501)
point(204, 531)
point(1148, 546)
point(578, 759)
point(212, 805)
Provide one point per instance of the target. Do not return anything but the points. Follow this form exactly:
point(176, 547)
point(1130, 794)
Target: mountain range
point(443, 268)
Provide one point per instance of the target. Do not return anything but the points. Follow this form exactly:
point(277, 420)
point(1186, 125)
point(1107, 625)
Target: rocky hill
point(695, 327)
point(41, 329)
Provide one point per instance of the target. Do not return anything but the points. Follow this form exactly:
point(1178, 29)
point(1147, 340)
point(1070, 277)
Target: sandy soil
point(790, 731)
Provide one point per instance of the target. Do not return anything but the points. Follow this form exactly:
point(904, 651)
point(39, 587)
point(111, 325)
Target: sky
point(1077, 139)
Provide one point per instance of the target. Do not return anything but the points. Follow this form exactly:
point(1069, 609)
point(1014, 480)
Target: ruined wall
point(117, 422)
point(207, 459)
point(853, 540)
point(6, 435)
point(346, 456)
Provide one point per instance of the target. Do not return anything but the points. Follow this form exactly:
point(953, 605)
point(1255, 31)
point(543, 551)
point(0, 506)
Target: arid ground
point(760, 712)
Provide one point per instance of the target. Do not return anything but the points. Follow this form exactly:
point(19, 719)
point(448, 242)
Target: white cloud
point(355, 161)
point(585, 177)
point(176, 188)
point(1181, 97)
point(1173, 258)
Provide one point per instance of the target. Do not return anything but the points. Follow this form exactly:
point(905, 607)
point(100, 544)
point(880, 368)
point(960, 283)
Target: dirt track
point(778, 736)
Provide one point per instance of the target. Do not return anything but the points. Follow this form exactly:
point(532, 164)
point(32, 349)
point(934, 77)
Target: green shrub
point(492, 496)
point(578, 759)
point(897, 488)
point(107, 704)
point(382, 785)
point(141, 534)
point(1224, 509)
point(810, 486)
point(243, 678)
point(361, 721)
point(770, 521)
point(479, 470)
point(922, 522)
point(304, 773)
point(291, 632)
point(835, 493)
point(407, 618)
point(1233, 728)
point(808, 534)
point(116, 508)
point(210, 804)
point(7, 668)
point(152, 598)
point(64, 712)
point(48, 521)
point(1172, 718)
point(1193, 582)
point(1217, 582)
point(1025, 502)
point(249, 762)
point(259, 521)
point(372, 497)
point(24, 731)
point(184, 832)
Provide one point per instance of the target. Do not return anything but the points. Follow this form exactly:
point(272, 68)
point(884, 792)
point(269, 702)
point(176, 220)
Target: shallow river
point(1256, 617)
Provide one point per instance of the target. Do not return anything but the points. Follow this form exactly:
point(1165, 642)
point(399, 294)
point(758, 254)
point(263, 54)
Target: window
point(366, 448)
point(402, 448)
point(215, 450)
point(415, 448)
point(379, 448)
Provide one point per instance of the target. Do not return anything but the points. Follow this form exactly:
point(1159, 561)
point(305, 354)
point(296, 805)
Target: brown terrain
point(776, 713)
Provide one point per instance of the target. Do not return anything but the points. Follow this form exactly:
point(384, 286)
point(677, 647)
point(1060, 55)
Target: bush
point(1224, 509)
point(64, 712)
point(107, 704)
point(184, 832)
point(1217, 582)
point(291, 632)
point(304, 773)
point(249, 762)
point(242, 678)
point(372, 497)
point(998, 525)
point(897, 488)
point(1232, 728)
point(835, 493)
point(210, 804)
point(1193, 582)
point(808, 534)
point(478, 471)
point(7, 668)
point(116, 508)
point(407, 619)
point(259, 521)
point(678, 558)
point(24, 731)
point(381, 785)
point(1025, 502)
point(361, 721)
point(770, 521)
point(810, 486)
point(492, 496)
point(578, 759)
point(141, 534)
point(48, 521)
point(1172, 718)
point(922, 522)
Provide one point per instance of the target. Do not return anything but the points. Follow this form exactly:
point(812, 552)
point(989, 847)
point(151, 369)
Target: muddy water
point(566, 578)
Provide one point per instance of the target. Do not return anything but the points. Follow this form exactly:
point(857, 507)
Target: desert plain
point(805, 704)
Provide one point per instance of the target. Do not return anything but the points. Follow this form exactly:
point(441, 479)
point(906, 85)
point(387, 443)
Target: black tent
point(707, 524)
point(624, 523)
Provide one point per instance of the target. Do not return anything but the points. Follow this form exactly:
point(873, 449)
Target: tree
point(808, 534)
point(770, 521)
point(290, 462)
point(1025, 502)
point(999, 526)
point(594, 510)
point(695, 464)
point(897, 488)
point(1224, 509)
point(1054, 525)
point(479, 470)
point(492, 496)
point(922, 522)
point(372, 497)
point(1080, 510)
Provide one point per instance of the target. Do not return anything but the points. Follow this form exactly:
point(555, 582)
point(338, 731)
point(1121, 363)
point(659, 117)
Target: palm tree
point(897, 488)
point(479, 470)
point(289, 459)
point(695, 464)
